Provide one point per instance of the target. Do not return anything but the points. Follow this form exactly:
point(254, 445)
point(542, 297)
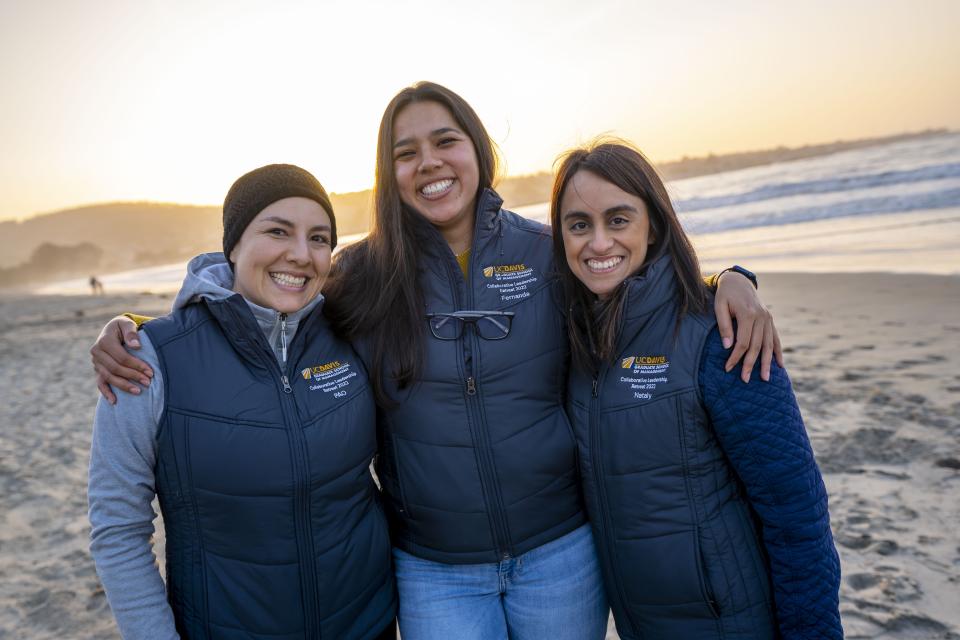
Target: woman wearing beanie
point(451, 303)
point(256, 435)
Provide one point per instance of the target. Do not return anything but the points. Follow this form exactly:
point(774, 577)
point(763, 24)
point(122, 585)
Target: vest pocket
point(705, 591)
point(389, 475)
point(665, 576)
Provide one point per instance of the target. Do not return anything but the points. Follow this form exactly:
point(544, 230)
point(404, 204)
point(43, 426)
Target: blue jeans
point(553, 592)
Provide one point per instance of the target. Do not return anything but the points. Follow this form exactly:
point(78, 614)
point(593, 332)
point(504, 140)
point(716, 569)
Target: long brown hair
point(593, 325)
point(373, 293)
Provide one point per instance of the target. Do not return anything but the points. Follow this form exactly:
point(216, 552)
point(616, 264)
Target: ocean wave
point(824, 185)
point(703, 223)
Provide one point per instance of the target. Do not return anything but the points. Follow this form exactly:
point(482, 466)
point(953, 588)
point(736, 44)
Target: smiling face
point(606, 232)
point(436, 168)
point(283, 257)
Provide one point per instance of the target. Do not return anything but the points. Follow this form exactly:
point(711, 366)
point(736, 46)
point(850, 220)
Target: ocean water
point(889, 207)
point(898, 177)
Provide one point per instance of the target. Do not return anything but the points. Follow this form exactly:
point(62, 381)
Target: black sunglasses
point(490, 325)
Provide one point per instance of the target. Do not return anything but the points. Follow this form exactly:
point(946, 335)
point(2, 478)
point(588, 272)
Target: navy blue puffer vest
point(274, 529)
point(478, 458)
point(678, 545)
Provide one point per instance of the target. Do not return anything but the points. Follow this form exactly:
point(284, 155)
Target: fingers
point(106, 391)
point(111, 368)
point(766, 353)
point(105, 376)
point(753, 351)
point(744, 332)
point(777, 348)
point(724, 323)
point(109, 354)
point(128, 330)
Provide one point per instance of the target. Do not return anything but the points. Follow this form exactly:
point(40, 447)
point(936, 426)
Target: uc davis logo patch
point(510, 281)
point(644, 374)
point(331, 377)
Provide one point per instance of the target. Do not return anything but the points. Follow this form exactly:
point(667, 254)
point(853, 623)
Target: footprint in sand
point(855, 542)
point(861, 581)
point(948, 463)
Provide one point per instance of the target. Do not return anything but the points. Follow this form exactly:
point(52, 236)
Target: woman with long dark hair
point(708, 510)
point(451, 302)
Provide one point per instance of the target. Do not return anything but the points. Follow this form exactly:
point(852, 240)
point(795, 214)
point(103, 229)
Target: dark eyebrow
point(612, 210)
point(435, 132)
point(278, 220)
point(575, 214)
point(287, 223)
point(619, 208)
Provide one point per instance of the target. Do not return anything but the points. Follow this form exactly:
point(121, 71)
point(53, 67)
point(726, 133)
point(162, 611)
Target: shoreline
point(918, 242)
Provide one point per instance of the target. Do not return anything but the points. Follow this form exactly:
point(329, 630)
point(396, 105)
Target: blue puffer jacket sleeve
point(760, 429)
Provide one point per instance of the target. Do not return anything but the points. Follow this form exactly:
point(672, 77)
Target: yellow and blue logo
point(641, 361)
point(503, 268)
point(311, 372)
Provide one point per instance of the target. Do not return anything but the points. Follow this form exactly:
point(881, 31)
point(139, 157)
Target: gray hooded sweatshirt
point(123, 456)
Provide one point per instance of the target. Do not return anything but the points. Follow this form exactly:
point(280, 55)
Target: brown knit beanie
point(257, 190)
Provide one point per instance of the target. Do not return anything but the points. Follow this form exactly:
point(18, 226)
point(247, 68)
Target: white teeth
point(603, 265)
point(434, 188)
point(288, 280)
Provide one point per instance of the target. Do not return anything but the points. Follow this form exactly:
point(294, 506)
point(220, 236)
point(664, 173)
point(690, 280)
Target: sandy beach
point(875, 360)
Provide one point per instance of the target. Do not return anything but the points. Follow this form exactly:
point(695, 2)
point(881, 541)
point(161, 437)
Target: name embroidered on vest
point(477, 458)
point(272, 520)
point(669, 517)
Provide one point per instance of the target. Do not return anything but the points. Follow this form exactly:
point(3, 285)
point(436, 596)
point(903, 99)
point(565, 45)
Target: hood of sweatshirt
point(209, 276)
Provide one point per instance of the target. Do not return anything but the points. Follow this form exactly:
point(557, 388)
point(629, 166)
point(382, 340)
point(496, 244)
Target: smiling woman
point(273, 526)
point(283, 257)
point(677, 455)
point(606, 232)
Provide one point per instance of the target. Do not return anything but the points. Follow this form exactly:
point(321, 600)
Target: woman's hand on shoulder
point(756, 334)
point(112, 364)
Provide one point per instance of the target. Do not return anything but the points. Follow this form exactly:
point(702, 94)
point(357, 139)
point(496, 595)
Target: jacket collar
point(647, 293)
point(486, 220)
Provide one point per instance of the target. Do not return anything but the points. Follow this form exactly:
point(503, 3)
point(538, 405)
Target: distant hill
point(138, 234)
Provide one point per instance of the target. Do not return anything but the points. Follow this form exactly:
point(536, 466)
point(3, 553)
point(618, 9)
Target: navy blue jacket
point(709, 512)
point(477, 459)
point(273, 525)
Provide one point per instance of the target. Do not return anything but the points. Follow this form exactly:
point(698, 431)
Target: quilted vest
point(273, 524)
point(477, 458)
point(679, 549)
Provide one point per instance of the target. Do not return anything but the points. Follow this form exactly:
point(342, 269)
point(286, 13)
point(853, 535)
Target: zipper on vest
point(488, 479)
point(597, 463)
point(301, 490)
point(283, 347)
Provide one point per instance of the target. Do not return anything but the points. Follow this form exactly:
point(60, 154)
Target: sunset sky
point(172, 100)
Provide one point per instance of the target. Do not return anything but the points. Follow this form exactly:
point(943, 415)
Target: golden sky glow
point(172, 100)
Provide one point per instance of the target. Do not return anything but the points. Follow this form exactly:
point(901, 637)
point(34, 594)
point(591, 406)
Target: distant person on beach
point(96, 287)
point(708, 509)
point(256, 435)
point(451, 303)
